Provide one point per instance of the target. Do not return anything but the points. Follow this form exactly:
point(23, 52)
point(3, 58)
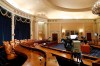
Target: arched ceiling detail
point(72, 5)
point(57, 9)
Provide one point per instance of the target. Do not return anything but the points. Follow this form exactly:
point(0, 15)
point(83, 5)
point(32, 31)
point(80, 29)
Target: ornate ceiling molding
point(14, 10)
point(50, 3)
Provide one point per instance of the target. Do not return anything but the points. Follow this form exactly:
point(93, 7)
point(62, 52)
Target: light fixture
point(63, 30)
point(96, 8)
point(80, 30)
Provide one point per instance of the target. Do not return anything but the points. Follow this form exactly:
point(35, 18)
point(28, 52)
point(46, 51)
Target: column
point(36, 30)
point(13, 26)
point(31, 30)
point(45, 29)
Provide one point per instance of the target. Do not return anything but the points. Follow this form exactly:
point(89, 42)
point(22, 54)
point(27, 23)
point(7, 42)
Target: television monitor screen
point(73, 36)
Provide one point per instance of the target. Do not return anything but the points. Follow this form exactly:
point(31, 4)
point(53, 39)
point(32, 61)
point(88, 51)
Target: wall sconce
point(63, 32)
point(81, 31)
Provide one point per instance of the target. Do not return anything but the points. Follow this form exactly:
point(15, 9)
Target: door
point(88, 36)
point(55, 37)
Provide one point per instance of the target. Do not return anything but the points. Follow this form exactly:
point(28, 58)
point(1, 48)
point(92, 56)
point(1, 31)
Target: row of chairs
point(95, 42)
point(10, 45)
point(9, 50)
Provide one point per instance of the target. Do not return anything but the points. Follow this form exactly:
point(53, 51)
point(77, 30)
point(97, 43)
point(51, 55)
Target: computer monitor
point(73, 36)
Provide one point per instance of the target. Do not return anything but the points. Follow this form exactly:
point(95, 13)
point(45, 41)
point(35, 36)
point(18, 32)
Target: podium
point(76, 55)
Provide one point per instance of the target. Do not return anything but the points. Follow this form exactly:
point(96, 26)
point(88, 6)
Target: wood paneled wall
point(56, 26)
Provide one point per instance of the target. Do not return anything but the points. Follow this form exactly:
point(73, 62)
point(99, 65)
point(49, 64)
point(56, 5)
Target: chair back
point(9, 51)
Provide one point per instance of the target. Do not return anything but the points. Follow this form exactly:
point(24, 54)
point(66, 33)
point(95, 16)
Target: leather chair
point(85, 48)
point(12, 43)
point(9, 51)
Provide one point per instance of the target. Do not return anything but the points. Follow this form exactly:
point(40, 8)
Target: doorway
point(89, 37)
point(54, 37)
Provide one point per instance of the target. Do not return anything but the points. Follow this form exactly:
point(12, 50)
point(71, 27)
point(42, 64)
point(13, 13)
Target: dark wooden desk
point(96, 46)
point(33, 56)
point(88, 60)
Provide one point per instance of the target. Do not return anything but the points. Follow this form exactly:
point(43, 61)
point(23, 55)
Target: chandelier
point(96, 8)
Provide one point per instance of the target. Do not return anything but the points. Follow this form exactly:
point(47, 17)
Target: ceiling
point(57, 9)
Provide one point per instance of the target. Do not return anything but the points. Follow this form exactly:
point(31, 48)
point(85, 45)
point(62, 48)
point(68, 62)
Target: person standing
point(68, 44)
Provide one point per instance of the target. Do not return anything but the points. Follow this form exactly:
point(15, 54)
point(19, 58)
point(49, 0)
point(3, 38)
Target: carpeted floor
point(94, 51)
point(59, 46)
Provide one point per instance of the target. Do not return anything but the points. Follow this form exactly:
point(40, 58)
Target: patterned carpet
point(94, 51)
point(59, 46)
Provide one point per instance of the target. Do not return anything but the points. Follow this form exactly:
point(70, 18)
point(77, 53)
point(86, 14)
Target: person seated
point(84, 39)
point(63, 40)
point(68, 44)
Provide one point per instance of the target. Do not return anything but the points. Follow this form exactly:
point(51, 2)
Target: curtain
point(5, 25)
point(22, 28)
